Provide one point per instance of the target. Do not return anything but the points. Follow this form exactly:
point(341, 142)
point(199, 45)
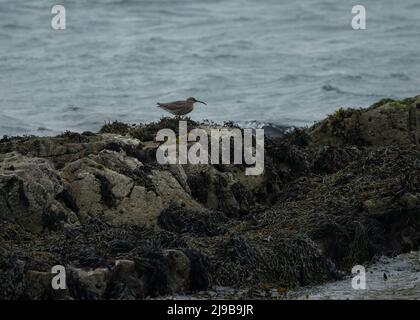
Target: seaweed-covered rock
point(88, 284)
point(331, 196)
point(179, 268)
point(384, 123)
point(281, 261)
point(125, 283)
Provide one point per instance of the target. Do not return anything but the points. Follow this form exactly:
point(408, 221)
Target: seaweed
point(107, 196)
point(115, 127)
point(186, 221)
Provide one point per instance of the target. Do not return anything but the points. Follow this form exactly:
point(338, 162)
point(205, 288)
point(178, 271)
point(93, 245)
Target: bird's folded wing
point(173, 106)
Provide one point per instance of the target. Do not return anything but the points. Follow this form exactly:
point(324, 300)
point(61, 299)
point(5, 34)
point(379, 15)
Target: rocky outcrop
point(28, 191)
point(331, 196)
point(385, 122)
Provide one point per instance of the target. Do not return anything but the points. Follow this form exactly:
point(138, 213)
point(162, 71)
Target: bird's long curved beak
point(201, 102)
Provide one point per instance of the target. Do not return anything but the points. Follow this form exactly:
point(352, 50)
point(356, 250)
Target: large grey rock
point(28, 190)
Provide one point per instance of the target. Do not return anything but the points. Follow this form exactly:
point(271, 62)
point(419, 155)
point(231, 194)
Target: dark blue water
point(286, 62)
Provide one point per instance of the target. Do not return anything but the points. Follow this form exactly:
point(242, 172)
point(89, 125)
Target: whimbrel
point(180, 108)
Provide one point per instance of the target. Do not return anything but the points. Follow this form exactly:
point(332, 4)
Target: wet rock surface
point(339, 193)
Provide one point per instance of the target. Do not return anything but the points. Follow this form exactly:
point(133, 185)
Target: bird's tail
point(159, 105)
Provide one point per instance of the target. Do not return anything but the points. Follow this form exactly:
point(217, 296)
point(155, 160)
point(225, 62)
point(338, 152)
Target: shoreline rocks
point(339, 193)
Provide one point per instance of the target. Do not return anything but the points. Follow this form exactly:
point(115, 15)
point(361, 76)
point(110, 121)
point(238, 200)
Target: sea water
point(252, 61)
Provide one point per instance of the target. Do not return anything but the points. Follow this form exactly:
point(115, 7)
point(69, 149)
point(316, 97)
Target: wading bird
point(180, 108)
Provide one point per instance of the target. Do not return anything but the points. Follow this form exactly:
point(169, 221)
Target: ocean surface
point(252, 61)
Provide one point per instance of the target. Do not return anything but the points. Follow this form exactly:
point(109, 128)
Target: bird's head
point(193, 100)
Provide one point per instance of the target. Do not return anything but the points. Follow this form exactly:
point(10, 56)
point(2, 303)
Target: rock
point(125, 282)
point(386, 122)
point(141, 207)
point(99, 191)
point(39, 285)
point(223, 191)
point(169, 190)
point(28, 190)
point(179, 174)
point(200, 273)
point(124, 267)
point(179, 271)
point(58, 216)
point(95, 188)
point(331, 196)
point(88, 284)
